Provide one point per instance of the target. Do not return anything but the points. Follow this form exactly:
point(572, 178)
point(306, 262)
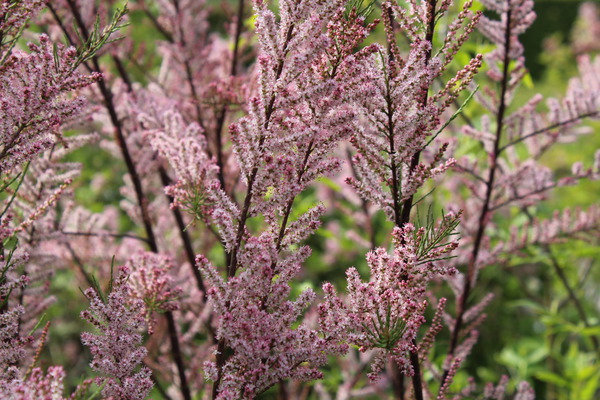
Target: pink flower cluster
point(34, 101)
point(269, 351)
point(117, 348)
point(151, 282)
point(38, 385)
point(386, 312)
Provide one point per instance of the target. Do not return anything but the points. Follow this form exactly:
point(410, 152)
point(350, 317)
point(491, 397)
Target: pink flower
point(151, 282)
point(116, 348)
point(33, 99)
point(386, 312)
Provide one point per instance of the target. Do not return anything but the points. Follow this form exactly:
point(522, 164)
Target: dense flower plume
point(515, 17)
point(400, 119)
point(505, 179)
point(14, 15)
point(185, 149)
point(508, 179)
point(282, 145)
point(397, 127)
point(39, 385)
point(12, 341)
point(300, 114)
point(12, 350)
point(270, 351)
point(386, 312)
point(117, 346)
point(34, 102)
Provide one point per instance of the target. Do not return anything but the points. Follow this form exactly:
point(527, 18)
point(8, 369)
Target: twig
point(105, 234)
point(547, 129)
point(483, 217)
point(135, 178)
point(574, 299)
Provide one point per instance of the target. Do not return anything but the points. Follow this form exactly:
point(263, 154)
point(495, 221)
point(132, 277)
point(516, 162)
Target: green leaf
point(453, 117)
point(590, 331)
point(331, 184)
point(528, 81)
point(532, 305)
point(551, 377)
point(590, 387)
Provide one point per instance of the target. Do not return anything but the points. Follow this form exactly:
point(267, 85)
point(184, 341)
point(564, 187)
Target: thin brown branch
point(547, 129)
point(141, 199)
point(157, 24)
point(403, 217)
point(233, 260)
point(105, 234)
point(484, 215)
point(572, 295)
point(223, 112)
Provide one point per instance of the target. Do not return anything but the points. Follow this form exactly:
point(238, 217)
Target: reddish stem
point(484, 216)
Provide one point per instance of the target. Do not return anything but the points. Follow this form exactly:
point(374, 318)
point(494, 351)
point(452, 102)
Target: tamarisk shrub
point(37, 88)
point(117, 350)
point(514, 138)
point(217, 135)
point(399, 122)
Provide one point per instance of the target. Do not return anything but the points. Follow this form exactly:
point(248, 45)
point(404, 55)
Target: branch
point(483, 217)
point(136, 180)
point(548, 128)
